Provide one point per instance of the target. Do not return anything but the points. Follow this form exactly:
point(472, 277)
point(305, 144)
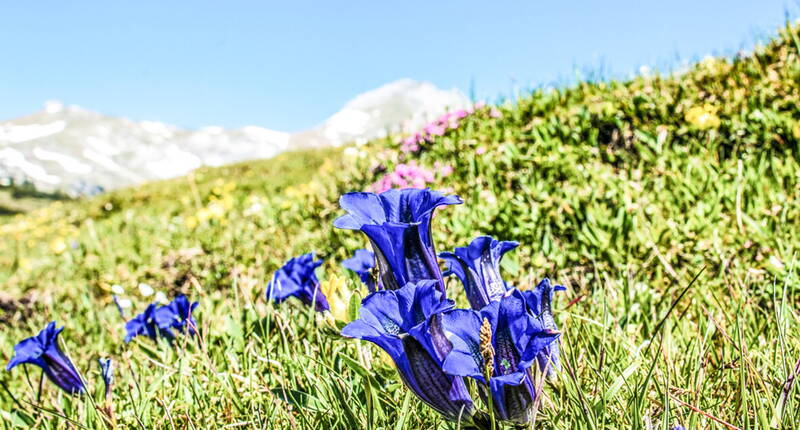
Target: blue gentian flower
point(297, 279)
point(362, 263)
point(516, 339)
point(387, 318)
point(478, 267)
point(42, 350)
point(540, 302)
point(145, 324)
point(162, 320)
point(398, 225)
point(177, 315)
point(107, 372)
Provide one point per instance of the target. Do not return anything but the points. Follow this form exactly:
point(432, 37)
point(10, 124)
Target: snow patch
point(11, 158)
point(25, 133)
point(68, 163)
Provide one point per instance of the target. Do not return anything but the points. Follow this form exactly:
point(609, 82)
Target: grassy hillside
point(622, 191)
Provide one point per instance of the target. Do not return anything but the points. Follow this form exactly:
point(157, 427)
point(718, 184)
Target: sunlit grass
point(625, 192)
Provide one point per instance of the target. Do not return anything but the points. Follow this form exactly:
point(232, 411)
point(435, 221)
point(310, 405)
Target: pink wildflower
point(404, 176)
point(444, 170)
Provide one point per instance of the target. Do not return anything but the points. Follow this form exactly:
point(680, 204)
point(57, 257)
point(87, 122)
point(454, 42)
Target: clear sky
point(289, 65)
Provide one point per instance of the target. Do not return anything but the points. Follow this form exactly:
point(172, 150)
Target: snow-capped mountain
point(76, 151)
point(403, 105)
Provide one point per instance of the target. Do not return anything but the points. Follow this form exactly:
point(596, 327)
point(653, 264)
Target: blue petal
point(420, 300)
point(382, 310)
point(454, 267)
point(540, 301)
point(447, 394)
point(143, 324)
point(544, 341)
point(388, 241)
point(282, 287)
point(510, 322)
point(361, 262)
point(165, 317)
point(513, 396)
point(60, 370)
point(462, 328)
point(297, 278)
point(28, 351)
point(478, 267)
point(362, 329)
point(362, 208)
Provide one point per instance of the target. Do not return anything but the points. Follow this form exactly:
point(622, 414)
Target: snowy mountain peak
point(77, 151)
point(402, 105)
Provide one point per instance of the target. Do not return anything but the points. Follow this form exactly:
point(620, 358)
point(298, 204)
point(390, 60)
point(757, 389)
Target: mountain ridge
point(72, 150)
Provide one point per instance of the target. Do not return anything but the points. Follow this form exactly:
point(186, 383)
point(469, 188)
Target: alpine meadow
point(611, 254)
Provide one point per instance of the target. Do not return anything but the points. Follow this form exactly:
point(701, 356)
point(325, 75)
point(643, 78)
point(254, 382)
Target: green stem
point(490, 400)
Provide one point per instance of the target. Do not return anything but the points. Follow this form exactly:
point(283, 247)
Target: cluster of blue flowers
point(162, 320)
point(43, 350)
point(498, 342)
point(407, 313)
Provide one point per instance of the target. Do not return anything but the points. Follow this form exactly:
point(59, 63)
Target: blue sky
point(289, 65)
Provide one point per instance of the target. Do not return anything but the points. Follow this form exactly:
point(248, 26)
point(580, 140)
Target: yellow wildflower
point(58, 246)
point(338, 294)
point(703, 117)
point(25, 264)
point(191, 222)
point(796, 130)
point(227, 202)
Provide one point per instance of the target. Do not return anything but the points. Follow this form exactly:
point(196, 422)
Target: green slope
point(622, 191)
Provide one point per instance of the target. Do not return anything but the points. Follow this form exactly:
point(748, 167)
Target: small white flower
point(124, 303)
point(776, 262)
point(117, 289)
point(351, 152)
point(253, 209)
point(145, 290)
point(161, 297)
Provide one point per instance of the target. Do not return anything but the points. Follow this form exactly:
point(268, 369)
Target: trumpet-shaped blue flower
point(517, 337)
point(478, 267)
point(42, 350)
point(540, 302)
point(398, 224)
point(145, 324)
point(177, 315)
point(162, 320)
point(387, 318)
point(362, 263)
point(107, 372)
point(297, 279)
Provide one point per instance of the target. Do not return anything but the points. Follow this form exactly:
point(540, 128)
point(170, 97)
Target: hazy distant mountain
point(76, 151)
point(394, 107)
point(73, 150)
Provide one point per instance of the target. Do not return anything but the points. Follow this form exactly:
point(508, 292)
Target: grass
point(675, 231)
